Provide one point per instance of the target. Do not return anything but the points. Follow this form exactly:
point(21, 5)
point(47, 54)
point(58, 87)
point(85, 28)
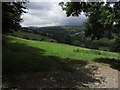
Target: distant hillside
point(73, 35)
point(32, 36)
point(57, 29)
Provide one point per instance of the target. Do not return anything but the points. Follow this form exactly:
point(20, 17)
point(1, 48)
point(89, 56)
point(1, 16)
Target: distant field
point(32, 36)
point(24, 55)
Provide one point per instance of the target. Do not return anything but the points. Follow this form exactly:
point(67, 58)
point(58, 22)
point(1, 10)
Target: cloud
point(40, 5)
point(48, 14)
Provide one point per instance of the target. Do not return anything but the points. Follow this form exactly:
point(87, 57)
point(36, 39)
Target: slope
point(21, 55)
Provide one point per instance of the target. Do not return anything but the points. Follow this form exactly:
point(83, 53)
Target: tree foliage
point(102, 17)
point(11, 15)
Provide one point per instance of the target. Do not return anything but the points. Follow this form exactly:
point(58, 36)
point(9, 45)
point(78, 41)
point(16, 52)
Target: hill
point(75, 35)
point(32, 36)
point(31, 64)
point(41, 56)
point(57, 29)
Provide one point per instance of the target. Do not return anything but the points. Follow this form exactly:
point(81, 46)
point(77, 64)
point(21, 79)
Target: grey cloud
point(40, 5)
point(49, 14)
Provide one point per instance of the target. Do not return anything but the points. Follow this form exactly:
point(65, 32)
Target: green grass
point(104, 48)
point(32, 36)
point(21, 55)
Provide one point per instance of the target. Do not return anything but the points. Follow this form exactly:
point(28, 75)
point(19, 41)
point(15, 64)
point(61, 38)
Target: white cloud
point(48, 14)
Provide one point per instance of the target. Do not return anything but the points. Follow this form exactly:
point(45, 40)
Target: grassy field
point(32, 36)
point(21, 55)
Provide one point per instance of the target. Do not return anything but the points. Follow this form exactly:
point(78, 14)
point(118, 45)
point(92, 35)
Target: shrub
point(25, 38)
point(91, 44)
point(104, 42)
point(76, 42)
point(115, 47)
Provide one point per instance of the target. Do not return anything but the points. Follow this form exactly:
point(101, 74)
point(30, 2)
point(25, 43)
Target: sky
point(42, 14)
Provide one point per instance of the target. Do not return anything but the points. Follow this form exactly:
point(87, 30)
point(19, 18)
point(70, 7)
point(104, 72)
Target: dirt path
point(109, 76)
point(92, 75)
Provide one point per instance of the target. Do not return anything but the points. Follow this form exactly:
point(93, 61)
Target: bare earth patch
point(111, 75)
point(92, 75)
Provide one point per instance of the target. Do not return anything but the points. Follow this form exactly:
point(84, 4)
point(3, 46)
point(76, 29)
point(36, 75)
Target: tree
point(11, 16)
point(101, 17)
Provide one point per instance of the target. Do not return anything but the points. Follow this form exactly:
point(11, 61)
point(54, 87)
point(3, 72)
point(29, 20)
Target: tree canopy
point(11, 15)
point(102, 17)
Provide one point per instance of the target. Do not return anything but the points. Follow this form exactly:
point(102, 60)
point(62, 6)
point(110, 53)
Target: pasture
point(21, 55)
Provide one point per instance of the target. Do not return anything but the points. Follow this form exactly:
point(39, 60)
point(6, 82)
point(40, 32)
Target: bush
point(91, 44)
point(104, 42)
point(115, 47)
point(76, 42)
point(42, 39)
point(104, 48)
point(25, 38)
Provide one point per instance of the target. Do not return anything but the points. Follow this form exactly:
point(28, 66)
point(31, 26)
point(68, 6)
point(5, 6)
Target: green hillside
point(32, 36)
point(21, 55)
point(56, 29)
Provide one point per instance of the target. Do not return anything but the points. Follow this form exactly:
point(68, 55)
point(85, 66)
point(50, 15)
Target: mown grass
point(21, 55)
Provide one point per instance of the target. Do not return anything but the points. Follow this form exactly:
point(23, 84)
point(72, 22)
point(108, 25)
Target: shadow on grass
point(114, 63)
point(28, 67)
point(18, 57)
